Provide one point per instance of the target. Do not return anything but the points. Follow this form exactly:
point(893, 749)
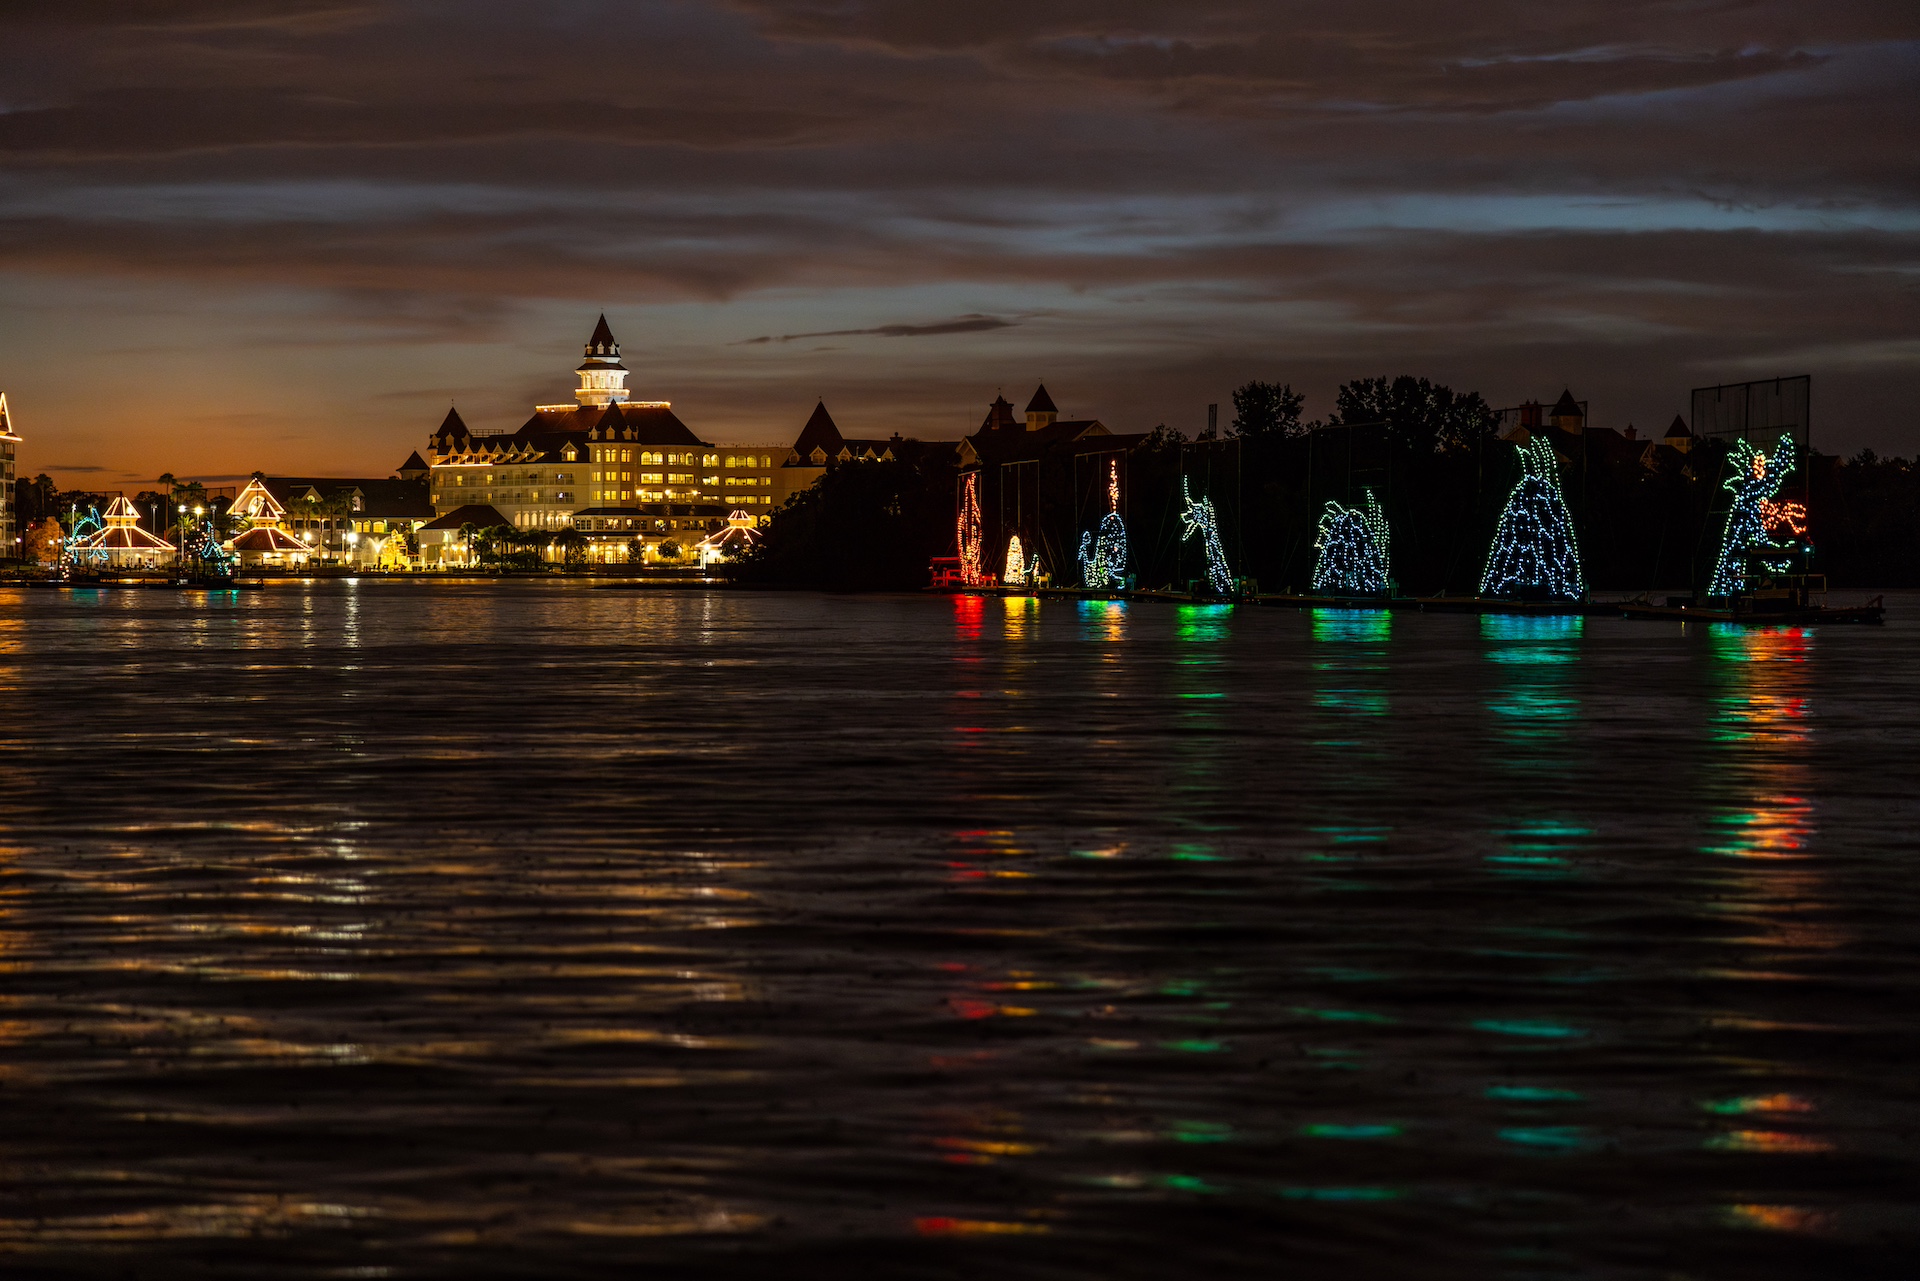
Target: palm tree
point(335, 508)
point(469, 536)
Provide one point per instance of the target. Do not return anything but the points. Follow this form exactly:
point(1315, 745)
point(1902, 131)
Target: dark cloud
point(1173, 196)
point(959, 325)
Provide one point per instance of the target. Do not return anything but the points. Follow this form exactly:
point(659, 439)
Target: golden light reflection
point(1778, 1218)
point(1021, 616)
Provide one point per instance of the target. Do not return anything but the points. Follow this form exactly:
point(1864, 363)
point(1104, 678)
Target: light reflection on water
point(525, 930)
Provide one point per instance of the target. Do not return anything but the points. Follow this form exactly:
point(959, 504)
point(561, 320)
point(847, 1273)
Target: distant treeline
point(1647, 517)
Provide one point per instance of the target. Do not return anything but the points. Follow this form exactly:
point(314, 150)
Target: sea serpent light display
point(1534, 552)
point(1197, 518)
point(1352, 542)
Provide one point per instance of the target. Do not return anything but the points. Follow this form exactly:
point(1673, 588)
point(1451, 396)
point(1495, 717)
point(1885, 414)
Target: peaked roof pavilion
point(122, 532)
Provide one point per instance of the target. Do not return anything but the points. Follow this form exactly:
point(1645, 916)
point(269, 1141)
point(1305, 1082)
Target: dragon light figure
point(1197, 518)
point(1352, 542)
point(1756, 516)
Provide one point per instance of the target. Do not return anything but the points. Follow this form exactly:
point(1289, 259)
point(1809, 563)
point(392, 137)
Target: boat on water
point(1766, 600)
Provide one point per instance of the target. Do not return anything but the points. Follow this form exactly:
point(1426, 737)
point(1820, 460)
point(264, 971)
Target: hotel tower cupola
point(603, 379)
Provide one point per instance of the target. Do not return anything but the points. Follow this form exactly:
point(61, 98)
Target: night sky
point(285, 235)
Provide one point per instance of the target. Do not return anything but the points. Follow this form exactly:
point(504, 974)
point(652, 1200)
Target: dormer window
point(819, 456)
point(570, 454)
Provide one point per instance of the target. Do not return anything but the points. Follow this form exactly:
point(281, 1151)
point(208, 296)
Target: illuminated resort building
point(10, 548)
point(614, 468)
point(364, 522)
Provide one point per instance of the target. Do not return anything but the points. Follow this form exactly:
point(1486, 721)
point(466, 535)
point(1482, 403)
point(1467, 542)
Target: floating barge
point(146, 584)
point(1769, 600)
point(1536, 608)
point(1287, 600)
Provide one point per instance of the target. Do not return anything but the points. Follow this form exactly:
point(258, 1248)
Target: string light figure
point(1534, 553)
point(206, 548)
point(1197, 518)
point(1756, 516)
point(969, 530)
point(73, 553)
point(1103, 559)
point(1352, 542)
point(1016, 575)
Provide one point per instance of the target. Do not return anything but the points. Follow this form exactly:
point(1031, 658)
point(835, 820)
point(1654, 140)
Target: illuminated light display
point(78, 547)
point(1103, 558)
point(1352, 542)
point(1197, 518)
point(1756, 517)
point(1016, 575)
point(969, 530)
point(205, 547)
point(1534, 553)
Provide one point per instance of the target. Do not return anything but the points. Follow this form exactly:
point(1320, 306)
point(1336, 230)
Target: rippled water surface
point(527, 930)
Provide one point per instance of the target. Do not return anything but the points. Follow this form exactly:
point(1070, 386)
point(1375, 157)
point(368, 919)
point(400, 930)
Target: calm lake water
point(527, 930)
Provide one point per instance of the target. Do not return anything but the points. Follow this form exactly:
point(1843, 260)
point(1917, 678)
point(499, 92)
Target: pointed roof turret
point(820, 432)
point(1679, 428)
point(414, 462)
point(602, 342)
point(999, 414)
point(1567, 406)
point(451, 425)
point(1041, 402)
point(6, 427)
point(611, 421)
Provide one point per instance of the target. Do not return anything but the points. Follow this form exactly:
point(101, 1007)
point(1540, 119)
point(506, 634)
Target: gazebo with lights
point(121, 543)
point(737, 539)
point(265, 541)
